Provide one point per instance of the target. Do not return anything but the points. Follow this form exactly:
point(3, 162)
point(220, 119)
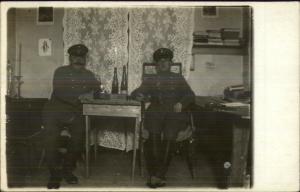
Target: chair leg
point(190, 158)
point(141, 160)
point(141, 142)
point(42, 157)
point(30, 159)
point(95, 145)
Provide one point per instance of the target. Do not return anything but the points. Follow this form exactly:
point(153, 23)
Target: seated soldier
point(169, 95)
point(64, 108)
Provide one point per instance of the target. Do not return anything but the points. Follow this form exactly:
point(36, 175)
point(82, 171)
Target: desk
point(23, 120)
point(111, 108)
point(241, 130)
point(225, 136)
point(241, 142)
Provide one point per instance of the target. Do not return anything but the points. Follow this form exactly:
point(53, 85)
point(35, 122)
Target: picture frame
point(45, 47)
point(210, 12)
point(45, 16)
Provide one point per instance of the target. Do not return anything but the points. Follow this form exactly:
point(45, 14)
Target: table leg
point(134, 149)
point(141, 144)
point(95, 143)
point(241, 137)
point(87, 145)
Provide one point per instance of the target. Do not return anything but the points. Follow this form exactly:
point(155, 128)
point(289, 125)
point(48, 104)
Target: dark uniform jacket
point(165, 90)
point(68, 85)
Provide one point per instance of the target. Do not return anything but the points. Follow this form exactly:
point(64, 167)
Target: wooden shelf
point(219, 50)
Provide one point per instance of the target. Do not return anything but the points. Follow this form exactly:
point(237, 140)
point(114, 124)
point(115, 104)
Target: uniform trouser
point(163, 129)
point(54, 122)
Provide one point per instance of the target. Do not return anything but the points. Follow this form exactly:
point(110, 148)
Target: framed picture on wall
point(45, 47)
point(45, 16)
point(210, 11)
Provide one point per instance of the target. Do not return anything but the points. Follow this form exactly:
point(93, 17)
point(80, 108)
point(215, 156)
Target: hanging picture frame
point(45, 47)
point(45, 16)
point(210, 12)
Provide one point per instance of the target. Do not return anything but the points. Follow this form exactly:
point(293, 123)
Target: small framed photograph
point(45, 47)
point(210, 11)
point(45, 16)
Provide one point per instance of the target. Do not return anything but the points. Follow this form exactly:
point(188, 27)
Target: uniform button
point(72, 80)
point(84, 86)
point(72, 87)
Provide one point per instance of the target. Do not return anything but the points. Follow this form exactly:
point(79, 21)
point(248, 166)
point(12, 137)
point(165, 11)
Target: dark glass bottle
point(124, 81)
point(115, 83)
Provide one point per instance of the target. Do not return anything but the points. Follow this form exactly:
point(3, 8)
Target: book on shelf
point(225, 43)
point(200, 33)
point(204, 40)
point(200, 43)
point(232, 42)
point(200, 39)
point(214, 36)
point(230, 33)
point(215, 41)
point(200, 36)
point(230, 29)
point(214, 33)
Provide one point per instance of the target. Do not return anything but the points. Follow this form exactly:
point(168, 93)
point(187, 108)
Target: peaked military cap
point(162, 53)
point(78, 50)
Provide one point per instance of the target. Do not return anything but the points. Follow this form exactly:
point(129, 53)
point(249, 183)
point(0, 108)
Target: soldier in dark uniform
point(169, 95)
point(65, 110)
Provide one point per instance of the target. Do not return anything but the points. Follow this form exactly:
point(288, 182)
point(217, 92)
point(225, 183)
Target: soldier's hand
point(177, 107)
point(140, 97)
point(86, 96)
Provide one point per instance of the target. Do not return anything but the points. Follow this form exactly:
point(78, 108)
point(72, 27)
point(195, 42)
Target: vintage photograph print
point(140, 97)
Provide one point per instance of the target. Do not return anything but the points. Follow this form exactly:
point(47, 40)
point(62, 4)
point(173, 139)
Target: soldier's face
point(78, 61)
point(163, 65)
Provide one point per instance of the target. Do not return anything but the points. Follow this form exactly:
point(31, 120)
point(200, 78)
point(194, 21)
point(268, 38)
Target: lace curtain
point(105, 32)
point(153, 28)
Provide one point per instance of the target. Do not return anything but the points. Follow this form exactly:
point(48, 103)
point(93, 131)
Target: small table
point(111, 108)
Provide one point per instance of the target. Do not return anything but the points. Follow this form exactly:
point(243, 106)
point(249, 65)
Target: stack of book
point(200, 38)
point(208, 37)
point(224, 36)
point(214, 37)
point(231, 36)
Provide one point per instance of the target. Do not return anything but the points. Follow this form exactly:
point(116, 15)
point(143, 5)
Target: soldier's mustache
point(79, 63)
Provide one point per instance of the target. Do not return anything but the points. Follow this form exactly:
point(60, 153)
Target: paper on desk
point(236, 104)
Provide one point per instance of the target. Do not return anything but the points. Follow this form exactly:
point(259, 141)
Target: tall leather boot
point(166, 155)
point(152, 155)
point(55, 170)
point(55, 178)
point(69, 166)
point(54, 162)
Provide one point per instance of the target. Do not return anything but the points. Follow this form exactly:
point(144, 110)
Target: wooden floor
point(112, 169)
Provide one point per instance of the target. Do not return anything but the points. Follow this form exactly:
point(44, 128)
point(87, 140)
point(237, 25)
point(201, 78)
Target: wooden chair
point(36, 141)
point(185, 140)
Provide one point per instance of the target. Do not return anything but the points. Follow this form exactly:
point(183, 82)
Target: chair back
point(149, 69)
